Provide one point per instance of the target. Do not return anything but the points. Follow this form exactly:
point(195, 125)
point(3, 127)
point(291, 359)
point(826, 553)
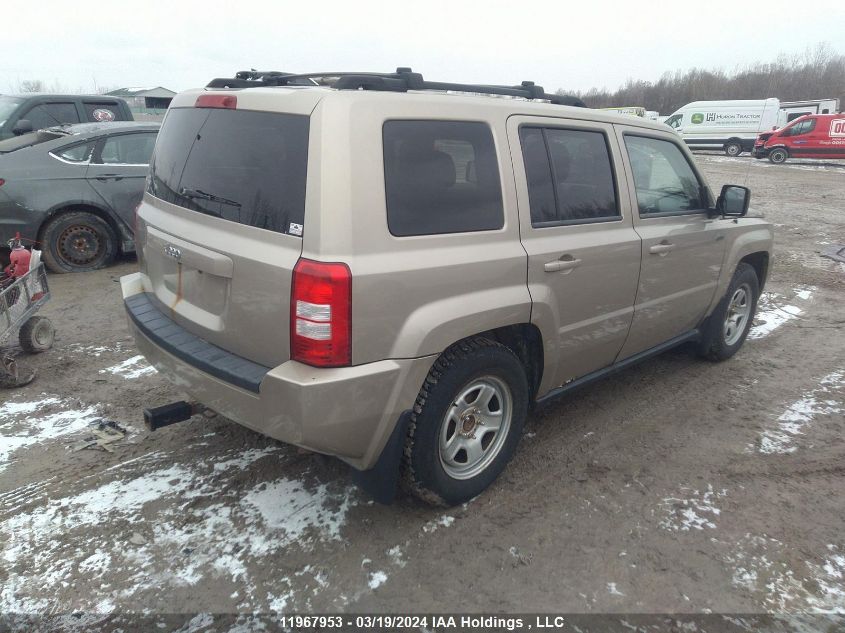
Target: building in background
point(145, 100)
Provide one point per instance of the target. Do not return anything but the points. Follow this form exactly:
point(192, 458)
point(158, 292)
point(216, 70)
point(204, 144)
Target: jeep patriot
point(394, 271)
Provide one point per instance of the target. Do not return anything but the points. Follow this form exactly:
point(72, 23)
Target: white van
point(729, 125)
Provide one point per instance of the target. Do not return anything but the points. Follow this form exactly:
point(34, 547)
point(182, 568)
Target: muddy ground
point(679, 486)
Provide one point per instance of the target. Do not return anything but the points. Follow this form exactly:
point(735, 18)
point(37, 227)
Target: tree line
point(816, 73)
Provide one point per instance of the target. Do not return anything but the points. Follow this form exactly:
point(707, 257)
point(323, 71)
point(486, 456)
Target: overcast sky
point(559, 44)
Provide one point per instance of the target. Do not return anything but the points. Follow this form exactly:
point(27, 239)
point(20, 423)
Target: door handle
point(105, 177)
point(566, 262)
point(661, 249)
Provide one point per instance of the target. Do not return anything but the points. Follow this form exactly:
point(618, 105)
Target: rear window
point(441, 177)
point(102, 111)
point(242, 166)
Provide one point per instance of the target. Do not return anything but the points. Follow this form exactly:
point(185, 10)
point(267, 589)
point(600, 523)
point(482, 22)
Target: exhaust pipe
point(167, 414)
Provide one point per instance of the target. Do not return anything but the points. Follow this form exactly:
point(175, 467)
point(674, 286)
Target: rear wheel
point(78, 241)
point(778, 155)
point(726, 329)
point(733, 148)
point(466, 423)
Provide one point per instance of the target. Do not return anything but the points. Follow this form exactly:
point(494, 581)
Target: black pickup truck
point(20, 114)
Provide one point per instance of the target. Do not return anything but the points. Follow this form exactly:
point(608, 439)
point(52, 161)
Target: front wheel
point(78, 241)
point(778, 155)
point(466, 423)
point(726, 329)
point(733, 149)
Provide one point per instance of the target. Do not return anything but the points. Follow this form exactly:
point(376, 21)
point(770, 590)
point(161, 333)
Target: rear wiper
point(198, 193)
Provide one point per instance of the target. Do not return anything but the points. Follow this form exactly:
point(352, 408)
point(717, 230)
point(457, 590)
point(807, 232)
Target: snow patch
point(444, 521)
point(377, 579)
point(20, 428)
point(760, 568)
point(176, 525)
point(131, 368)
point(396, 556)
point(23, 408)
point(771, 313)
point(695, 511)
point(791, 423)
point(770, 316)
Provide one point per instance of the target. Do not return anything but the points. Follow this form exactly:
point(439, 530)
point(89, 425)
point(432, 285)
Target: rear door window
point(441, 177)
point(570, 176)
point(127, 149)
point(239, 165)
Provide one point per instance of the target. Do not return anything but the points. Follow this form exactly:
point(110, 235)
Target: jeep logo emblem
point(172, 251)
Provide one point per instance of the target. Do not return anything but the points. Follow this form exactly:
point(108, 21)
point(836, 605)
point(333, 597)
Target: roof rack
point(403, 80)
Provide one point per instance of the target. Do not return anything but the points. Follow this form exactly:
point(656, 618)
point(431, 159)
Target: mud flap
point(381, 481)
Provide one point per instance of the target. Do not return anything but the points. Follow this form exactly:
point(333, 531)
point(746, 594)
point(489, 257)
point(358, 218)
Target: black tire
point(459, 368)
point(733, 148)
point(716, 344)
point(78, 241)
point(778, 155)
point(37, 335)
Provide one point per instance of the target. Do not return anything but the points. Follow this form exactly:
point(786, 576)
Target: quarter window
point(570, 176)
point(674, 121)
point(441, 177)
point(79, 153)
point(127, 149)
point(663, 177)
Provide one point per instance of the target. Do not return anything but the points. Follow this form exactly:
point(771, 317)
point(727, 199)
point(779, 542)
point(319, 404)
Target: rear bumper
point(347, 412)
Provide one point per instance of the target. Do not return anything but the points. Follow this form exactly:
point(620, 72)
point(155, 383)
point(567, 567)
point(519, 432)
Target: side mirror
point(733, 201)
point(23, 126)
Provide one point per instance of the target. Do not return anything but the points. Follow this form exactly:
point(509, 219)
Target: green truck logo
point(697, 118)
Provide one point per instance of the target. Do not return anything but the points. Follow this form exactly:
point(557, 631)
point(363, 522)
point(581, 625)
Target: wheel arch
point(752, 247)
point(760, 262)
point(76, 207)
point(526, 341)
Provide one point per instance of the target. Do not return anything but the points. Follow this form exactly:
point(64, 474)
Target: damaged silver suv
point(394, 271)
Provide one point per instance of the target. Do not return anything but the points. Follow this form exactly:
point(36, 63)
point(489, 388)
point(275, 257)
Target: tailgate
point(219, 229)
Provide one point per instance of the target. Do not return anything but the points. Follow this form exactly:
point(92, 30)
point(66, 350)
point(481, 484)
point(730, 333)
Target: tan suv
point(394, 271)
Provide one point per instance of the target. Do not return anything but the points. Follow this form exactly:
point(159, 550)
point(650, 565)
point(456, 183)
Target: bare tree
point(817, 73)
point(31, 85)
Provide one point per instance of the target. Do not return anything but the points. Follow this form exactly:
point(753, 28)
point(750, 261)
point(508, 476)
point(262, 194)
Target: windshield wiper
point(202, 195)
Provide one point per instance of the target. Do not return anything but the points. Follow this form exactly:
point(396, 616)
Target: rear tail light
point(321, 314)
point(2, 182)
point(216, 101)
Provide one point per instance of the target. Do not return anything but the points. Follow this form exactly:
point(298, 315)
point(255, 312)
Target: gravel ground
point(678, 486)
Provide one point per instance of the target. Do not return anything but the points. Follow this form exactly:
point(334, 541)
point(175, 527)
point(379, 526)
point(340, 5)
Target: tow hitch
point(167, 414)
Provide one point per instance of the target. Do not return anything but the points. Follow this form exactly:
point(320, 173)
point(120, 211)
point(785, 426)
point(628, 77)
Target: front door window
point(663, 177)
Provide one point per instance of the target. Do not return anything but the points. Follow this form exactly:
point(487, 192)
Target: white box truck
point(791, 110)
point(731, 126)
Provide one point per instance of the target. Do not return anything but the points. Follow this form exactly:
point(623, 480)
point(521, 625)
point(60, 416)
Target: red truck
point(810, 136)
